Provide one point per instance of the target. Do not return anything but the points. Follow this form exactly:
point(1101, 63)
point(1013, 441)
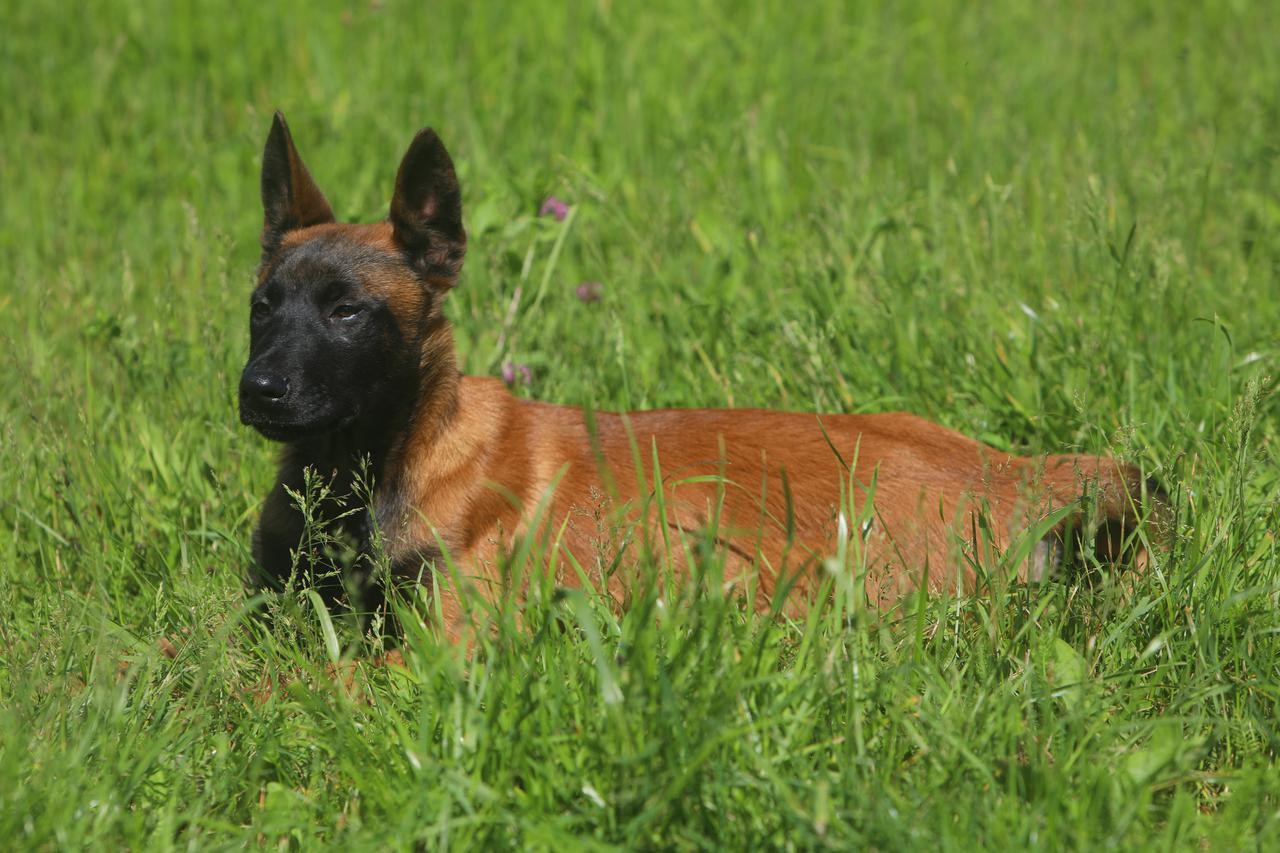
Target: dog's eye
point(344, 312)
point(259, 310)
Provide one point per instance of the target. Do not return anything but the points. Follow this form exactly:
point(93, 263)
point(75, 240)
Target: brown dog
point(352, 363)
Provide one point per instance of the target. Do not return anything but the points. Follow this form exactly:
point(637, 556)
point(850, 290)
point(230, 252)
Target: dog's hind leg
point(1121, 516)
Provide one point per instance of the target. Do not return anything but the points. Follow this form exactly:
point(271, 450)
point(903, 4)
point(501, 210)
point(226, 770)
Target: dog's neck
point(433, 406)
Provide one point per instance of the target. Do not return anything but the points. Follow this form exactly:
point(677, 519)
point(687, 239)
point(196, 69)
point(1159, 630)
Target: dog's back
point(771, 487)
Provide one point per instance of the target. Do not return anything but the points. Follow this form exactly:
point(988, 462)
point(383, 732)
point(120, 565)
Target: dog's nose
point(265, 387)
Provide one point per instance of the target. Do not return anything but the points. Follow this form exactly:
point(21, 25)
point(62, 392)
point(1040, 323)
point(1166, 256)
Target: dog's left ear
point(426, 210)
point(290, 198)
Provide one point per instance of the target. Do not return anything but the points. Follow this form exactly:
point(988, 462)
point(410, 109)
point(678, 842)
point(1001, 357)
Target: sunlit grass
point(1053, 229)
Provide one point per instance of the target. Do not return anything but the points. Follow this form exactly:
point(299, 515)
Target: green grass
point(1053, 229)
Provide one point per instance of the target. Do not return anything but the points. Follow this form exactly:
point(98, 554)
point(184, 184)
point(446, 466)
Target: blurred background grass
point(1050, 226)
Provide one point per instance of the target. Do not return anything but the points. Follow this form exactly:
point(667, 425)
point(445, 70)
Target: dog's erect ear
point(290, 198)
point(426, 211)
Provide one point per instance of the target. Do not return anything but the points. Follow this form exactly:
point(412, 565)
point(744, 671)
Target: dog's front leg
point(288, 548)
point(276, 541)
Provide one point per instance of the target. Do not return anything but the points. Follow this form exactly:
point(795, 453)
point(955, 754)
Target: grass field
point(1051, 229)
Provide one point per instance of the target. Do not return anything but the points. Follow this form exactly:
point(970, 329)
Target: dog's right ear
point(290, 198)
point(426, 210)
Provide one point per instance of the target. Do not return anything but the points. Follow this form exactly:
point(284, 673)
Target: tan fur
point(459, 476)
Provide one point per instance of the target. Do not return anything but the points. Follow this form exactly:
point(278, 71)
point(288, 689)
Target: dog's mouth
point(287, 431)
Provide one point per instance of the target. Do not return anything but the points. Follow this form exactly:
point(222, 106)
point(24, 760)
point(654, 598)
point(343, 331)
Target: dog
point(352, 366)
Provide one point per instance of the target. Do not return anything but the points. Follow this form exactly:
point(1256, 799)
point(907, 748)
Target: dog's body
point(352, 362)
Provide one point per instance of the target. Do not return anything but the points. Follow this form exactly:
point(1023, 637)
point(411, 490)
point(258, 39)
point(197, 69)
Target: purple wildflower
point(554, 207)
point(510, 371)
point(590, 291)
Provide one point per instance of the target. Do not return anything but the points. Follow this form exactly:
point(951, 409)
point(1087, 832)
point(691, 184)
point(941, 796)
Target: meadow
point(1053, 227)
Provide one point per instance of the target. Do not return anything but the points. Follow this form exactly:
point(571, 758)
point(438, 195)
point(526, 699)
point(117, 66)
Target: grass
point(1050, 228)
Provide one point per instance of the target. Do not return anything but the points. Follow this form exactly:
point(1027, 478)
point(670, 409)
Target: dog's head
point(341, 312)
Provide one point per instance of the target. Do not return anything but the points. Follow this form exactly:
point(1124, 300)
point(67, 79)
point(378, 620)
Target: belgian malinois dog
point(352, 366)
